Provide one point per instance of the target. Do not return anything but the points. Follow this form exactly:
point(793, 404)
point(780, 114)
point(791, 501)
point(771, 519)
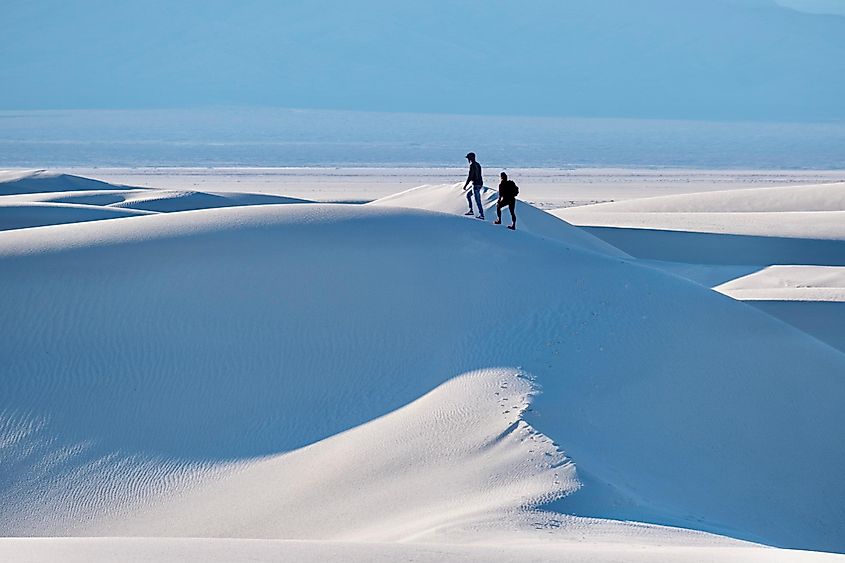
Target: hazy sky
point(692, 59)
point(816, 6)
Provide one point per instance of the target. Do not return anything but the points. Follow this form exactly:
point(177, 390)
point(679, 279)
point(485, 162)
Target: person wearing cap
point(477, 183)
point(508, 190)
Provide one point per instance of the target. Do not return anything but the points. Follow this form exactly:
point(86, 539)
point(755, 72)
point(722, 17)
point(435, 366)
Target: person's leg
point(477, 190)
point(512, 208)
point(469, 201)
point(499, 205)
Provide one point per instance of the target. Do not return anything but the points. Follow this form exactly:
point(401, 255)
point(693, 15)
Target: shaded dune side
point(42, 198)
point(461, 453)
point(40, 181)
point(718, 248)
point(151, 199)
point(26, 215)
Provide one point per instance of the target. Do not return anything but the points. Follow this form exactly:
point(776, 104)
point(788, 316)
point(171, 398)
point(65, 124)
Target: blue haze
point(665, 59)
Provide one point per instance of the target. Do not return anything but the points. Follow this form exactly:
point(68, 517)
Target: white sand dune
point(40, 198)
point(223, 372)
point(797, 225)
point(397, 482)
point(789, 283)
point(292, 409)
point(808, 238)
point(25, 215)
point(811, 298)
point(722, 249)
point(41, 181)
point(820, 225)
point(822, 197)
point(148, 199)
point(450, 198)
point(788, 225)
point(780, 249)
point(169, 201)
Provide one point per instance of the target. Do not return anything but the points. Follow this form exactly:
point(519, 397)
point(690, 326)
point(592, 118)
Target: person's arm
point(469, 178)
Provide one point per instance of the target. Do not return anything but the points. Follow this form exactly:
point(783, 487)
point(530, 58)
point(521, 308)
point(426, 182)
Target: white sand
point(420, 384)
point(781, 249)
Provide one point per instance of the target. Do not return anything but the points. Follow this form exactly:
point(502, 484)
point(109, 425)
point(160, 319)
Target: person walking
point(508, 191)
point(477, 183)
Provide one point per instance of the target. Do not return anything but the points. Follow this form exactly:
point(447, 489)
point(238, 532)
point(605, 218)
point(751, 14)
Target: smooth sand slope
point(379, 374)
point(780, 249)
point(787, 225)
point(811, 298)
point(193, 550)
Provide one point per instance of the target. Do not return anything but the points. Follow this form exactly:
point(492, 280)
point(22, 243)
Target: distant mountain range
point(691, 59)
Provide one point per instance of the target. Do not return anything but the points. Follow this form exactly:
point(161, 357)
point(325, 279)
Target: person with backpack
point(508, 191)
point(477, 184)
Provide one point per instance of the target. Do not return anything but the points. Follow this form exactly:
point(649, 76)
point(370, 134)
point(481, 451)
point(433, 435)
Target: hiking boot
point(480, 217)
point(497, 222)
point(470, 212)
point(511, 227)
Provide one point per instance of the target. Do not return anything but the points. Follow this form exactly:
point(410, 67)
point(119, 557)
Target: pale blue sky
point(691, 59)
point(816, 6)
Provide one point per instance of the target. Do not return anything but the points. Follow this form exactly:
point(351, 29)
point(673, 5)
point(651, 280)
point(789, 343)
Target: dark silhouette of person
point(477, 183)
point(508, 191)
